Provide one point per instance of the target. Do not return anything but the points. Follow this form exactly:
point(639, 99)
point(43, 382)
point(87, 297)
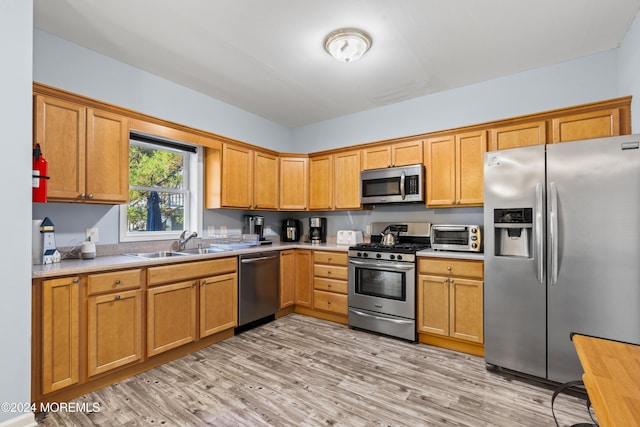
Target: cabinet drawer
point(330, 272)
point(329, 301)
point(115, 281)
point(330, 285)
point(333, 258)
point(189, 270)
point(453, 267)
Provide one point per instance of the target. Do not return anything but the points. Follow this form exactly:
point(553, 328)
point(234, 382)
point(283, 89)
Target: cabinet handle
point(82, 195)
point(329, 273)
point(449, 268)
point(329, 302)
point(76, 280)
point(451, 281)
point(256, 206)
point(330, 259)
point(445, 280)
point(328, 285)
point(195, 282)
point(90, 196)
point(117, 281)
point(117, 297)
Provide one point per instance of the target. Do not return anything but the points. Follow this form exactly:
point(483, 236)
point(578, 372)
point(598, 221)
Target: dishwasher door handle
point(253, 260)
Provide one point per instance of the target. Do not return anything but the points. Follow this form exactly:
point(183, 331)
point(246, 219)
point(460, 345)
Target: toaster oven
point(456, 238)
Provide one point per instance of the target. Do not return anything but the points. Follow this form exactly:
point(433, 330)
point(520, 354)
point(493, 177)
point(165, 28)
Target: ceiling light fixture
point(347, 44)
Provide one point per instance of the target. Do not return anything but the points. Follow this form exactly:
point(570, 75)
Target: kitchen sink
point(198, 251)
point(158, 254)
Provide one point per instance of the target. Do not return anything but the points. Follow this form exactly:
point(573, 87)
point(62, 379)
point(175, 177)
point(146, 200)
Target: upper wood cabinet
point(294, 186)
point(346, 181)
point(594, 124)
point(392, 155)
point(87, 150)
point(519, 135)
point(455, 169)
point(321, 182)
point(249, 178)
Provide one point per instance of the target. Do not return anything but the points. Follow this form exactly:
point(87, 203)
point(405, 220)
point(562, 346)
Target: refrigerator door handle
point(538, 235)
point(553, 232)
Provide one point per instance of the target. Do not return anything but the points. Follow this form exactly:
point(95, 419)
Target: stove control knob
point(359, 254)
point(399, 257)
point(392, 256)
point(474, 245)
point(378, 255)
point(365, 254)
point(474, 230)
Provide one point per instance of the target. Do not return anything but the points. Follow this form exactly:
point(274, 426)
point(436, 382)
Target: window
point(162, 183)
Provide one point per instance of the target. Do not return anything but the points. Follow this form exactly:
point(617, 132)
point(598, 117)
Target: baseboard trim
point(23, 420)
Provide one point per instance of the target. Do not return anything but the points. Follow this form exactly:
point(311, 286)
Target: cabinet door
point(376, 157)
point(406, 153)
point(596, 124)
point(237, 177)
point(265, 181)
point(107, 157)
point(321, 183)
point(59, 128)
point(470, 149)
point(440, 161)
point(465, 313)
point(293, 183)
point(114, 330)
point(171, 316)
point(218, 304)
point(433, 305)
point(303, 279)
point(287, 278)
point(520, 135)
point(60, 338)
point(347, 180)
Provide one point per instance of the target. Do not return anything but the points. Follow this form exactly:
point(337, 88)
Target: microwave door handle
point(403, 176)
point(450, 228)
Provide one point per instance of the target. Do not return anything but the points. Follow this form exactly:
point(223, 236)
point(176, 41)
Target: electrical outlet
point(93, 235)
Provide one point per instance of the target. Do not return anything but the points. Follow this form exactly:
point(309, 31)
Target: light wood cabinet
point(171, 316)
point(218, 303)
point(347, 180)
point(392, 155)
point(114, 319)
point(87, 150)
point(249, 178)
point(321, 182)
point(450, 299)
point(294, 183)
point(593, 124)
point(518, 135)
point(330, 274)
point(455, 169)
point(172, 312)
point(303, 291)
point(60, 333)
point(287, 278)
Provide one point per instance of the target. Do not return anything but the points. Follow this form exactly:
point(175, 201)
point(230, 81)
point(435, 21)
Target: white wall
point(629, 66)
point(68, 66)
point(16, 21)
point(588, 79)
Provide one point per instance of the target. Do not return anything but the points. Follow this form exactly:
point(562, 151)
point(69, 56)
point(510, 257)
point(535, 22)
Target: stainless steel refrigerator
point(562, 252)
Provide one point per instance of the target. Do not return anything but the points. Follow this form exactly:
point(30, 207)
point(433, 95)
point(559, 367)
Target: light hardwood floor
point(301, 371)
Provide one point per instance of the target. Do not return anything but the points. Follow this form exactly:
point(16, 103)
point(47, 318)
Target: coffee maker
point(317, 230)
point(291, 230)
point(254, 224)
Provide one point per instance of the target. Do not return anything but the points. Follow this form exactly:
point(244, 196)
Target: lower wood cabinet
point(287, 278)
point(60, 343)
point(303, 291)
point(218, 303)
point(450, 303)
point(171, 316)
point(330, 274)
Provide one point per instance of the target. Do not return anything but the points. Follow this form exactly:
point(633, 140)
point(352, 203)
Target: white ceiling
point(267, 57)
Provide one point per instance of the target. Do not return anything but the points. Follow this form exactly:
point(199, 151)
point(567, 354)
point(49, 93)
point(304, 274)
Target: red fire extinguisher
point(39, 182)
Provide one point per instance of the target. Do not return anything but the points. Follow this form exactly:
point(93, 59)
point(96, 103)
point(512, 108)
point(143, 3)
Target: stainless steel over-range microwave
point(403, 184)
point(456, 238)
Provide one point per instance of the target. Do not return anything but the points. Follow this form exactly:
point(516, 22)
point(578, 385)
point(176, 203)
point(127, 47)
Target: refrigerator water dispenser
point(513, 228)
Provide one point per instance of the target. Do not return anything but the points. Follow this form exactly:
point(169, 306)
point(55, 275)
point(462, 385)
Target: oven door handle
point(393, 266)
point(398, 321)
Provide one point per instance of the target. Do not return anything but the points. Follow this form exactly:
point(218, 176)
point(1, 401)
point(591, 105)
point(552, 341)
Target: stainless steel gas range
point(382, 281)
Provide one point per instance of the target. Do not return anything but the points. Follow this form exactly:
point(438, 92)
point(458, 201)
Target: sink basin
point(158, 254)
point(198, 251)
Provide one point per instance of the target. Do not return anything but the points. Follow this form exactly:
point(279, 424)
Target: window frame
point(192, 191)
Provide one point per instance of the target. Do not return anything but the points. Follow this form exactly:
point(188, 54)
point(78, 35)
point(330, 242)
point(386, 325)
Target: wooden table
point(612, 379)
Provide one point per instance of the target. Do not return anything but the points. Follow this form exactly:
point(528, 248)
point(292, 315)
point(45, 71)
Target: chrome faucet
point(182, 242)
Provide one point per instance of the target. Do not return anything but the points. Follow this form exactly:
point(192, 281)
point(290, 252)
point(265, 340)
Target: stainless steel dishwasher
point(258, 286)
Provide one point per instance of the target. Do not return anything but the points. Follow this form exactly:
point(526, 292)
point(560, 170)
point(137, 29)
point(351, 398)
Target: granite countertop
point(104, 263)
